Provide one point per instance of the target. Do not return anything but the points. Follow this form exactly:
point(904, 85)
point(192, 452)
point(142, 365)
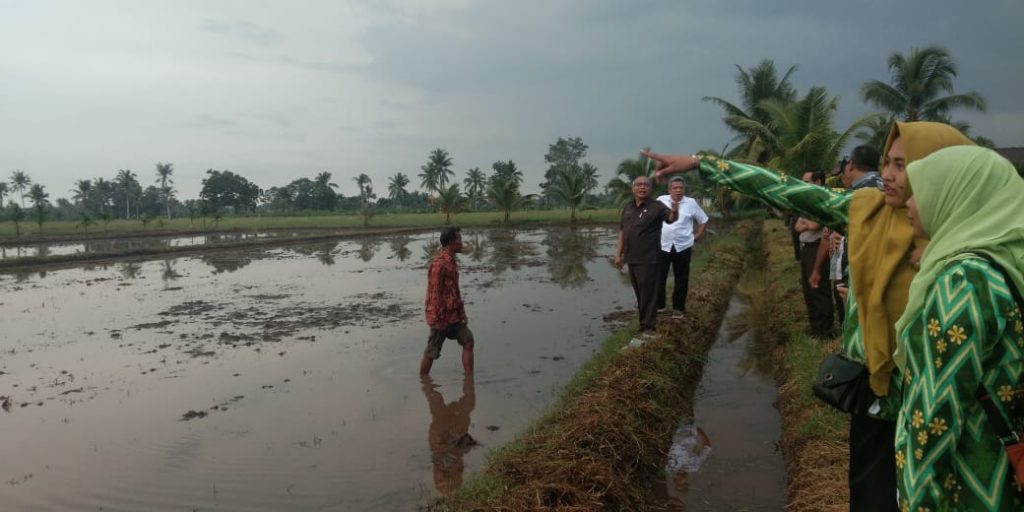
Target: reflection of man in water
point(449, 433)
point(446, 315)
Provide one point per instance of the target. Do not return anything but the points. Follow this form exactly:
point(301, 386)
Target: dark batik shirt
point(641, 230)
point(444, 301)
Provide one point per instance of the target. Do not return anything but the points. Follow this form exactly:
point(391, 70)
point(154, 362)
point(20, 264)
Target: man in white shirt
point(677, 241)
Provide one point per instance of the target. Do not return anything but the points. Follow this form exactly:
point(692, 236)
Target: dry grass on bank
point(597, 449)
point(815, 437)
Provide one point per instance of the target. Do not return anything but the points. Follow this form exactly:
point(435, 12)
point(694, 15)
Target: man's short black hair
point(816, 176)
point(449, 234)
point(865, 158)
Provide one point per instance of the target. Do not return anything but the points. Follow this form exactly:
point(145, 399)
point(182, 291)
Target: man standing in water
point(640, 245)
point(446, 315)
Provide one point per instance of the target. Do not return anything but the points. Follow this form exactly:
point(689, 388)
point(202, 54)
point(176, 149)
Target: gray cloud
point(278, 91)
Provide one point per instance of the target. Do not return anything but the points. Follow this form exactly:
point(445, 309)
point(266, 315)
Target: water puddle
point(286, 378)
point(725, 455)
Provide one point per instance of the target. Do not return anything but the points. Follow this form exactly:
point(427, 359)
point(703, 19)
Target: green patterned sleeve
point(820, 204)
point(948, 344)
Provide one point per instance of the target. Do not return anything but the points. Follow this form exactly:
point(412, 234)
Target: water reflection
point(568, 253)
point(129, 270)
point(475, 248)
point(227, 261)
point(325, 254)
point(430, 249)
point(368, 248)
point(448, 435)
point(508, 253)
point(400, 247)
point(169, 274)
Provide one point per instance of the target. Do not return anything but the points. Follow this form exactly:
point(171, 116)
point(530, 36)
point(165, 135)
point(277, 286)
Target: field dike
point(600, 445)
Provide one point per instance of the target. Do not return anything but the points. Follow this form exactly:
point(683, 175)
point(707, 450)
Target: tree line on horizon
point(772, 125)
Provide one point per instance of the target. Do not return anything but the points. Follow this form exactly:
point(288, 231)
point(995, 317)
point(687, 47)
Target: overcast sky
point(277, 90)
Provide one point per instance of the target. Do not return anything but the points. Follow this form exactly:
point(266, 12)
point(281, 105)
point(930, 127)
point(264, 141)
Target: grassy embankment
point(814, 438)
point(608, 434)
point(116, 228)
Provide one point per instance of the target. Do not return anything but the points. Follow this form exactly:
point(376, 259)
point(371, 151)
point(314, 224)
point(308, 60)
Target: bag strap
point(1003, 429)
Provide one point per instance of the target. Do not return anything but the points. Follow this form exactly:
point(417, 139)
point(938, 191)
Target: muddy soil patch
point(260, 318)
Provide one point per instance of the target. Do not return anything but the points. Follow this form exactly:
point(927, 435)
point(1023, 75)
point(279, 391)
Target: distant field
point(56, 229)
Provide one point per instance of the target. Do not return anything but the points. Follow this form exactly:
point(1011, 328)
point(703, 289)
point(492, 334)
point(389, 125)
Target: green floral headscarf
point(969, 199)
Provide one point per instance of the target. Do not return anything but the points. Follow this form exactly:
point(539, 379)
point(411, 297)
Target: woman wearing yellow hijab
point(881, 243)
point(962, 333)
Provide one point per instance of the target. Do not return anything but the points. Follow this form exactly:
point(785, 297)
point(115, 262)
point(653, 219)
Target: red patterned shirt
point(444, 301)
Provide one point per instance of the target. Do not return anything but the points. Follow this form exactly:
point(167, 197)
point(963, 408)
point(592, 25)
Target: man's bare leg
point(467, 358)
point(427, 362)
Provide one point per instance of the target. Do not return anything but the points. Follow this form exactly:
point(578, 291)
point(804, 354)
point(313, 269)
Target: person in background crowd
point(818, 300)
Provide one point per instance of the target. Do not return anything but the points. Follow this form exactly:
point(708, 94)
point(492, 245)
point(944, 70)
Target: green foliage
point(798, 136)
point(917, 84)
point(437, 171)
point(564, 157)
point(450, 201)
point(225, 189)
point(366, 197)
point(756, 85)
point(476, 183)
point(85, 222)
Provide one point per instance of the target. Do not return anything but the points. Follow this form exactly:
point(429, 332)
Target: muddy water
point(109, 245)
point(725, 455)
point(286, 378)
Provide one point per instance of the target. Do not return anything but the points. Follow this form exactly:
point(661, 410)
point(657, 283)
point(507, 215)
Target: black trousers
point(818, 300)
point(680, 263)
point(872, 464)
point(644, 277)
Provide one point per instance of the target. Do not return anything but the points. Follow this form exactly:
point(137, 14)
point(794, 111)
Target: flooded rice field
point(128, 244)
point(725, 455)
point(286, 378)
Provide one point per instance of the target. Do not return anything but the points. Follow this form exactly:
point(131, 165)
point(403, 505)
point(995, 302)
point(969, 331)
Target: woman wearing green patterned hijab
point(962, 330)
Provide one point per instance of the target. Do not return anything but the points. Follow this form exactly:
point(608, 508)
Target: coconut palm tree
point(508, 171)
point(875, 132)
point(127, 182)
point(82, 193)
point(756, 85)
point(570, 186)
point(917, 84)
point(450, 201)
point(3, 192)
point(40, 204)
point(475, 183)
point(396, 188)
point(437, 171)
point(505, 196)
point(366, 196)
point(799, 135)
point(20, 183)
point(163, 177)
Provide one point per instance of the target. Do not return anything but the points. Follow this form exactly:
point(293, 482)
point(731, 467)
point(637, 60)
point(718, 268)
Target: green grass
point(333, 221)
